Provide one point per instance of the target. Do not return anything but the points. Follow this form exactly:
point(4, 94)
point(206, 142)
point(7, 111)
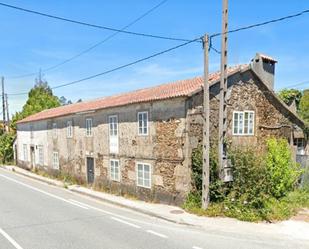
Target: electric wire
point(176, 47)
point(93, 46)
point(92, 25)
point(263, 23)
point(117, 68)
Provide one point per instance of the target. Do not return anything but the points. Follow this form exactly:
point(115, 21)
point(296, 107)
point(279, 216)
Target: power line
point(173, 48)
point(95, 45)
point(295, 85)
point(92, 25)
point(264, 23)
point(117, 68)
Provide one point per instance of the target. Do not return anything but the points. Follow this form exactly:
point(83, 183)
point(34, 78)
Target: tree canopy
point(289, 95)
point(40, 98)
point(304, 106)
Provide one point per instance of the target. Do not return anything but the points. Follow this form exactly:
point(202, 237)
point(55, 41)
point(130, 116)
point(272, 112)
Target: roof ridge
point(183, 87)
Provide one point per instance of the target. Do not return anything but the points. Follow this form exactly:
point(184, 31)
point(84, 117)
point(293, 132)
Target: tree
point(289, 95)
point(6, 147)
point(304, 106)
point(64, 101)
point(40, 98)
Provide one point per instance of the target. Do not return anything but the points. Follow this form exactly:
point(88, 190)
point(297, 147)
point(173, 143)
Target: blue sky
point(30, 42)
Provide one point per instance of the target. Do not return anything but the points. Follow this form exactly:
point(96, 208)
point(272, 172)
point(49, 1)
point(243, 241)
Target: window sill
point(143, 186)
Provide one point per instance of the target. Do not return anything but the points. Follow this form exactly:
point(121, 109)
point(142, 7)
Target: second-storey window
point(41, 154)
point(142, 123)
point(25, 152)
point(113, 125)
point(144, 175)
point(243, 123)
point(54, 130)
point(69, 129)
point(55, 160)
point(89, 127)
point(113, 134)
point(114, 170)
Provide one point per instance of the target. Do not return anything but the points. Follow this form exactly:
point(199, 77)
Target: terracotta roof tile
point(181, 88)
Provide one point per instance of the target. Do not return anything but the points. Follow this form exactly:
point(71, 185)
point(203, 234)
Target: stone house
point(140, 143)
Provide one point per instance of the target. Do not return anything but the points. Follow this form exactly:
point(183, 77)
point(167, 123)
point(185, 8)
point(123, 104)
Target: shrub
point(216, 188)
point(250, 182)
point(6, 147)
point(282, 172)
point(261, 188)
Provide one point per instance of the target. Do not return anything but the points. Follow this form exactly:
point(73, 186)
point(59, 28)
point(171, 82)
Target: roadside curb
point(34, 176)
point(74, 188)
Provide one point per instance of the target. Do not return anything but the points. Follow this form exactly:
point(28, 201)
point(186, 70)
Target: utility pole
point(3, 106)
point(222, 153)
point(206, 115)
point(7, 112)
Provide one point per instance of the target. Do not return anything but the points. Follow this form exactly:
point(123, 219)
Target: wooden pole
point(205, 189)
point(7, 112)
point(3, 106)
point(222, 154)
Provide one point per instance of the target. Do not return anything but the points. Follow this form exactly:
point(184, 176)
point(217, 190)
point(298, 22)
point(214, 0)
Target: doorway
point(90, 170)
point(32, 157)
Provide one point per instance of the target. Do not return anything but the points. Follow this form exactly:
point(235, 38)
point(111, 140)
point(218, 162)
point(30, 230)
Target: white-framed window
point(41, 154)
point(25, 152)
point(69, 129)
point(142, 118)
point(55, 130)
point(88, 127)
point(113, 133)
point(143, 175)
point(55, 160)
point(113, 125)
point(243, 122)
point(114, 170)
point(300, 146)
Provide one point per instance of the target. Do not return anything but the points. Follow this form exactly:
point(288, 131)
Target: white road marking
point(78, 205)
point(196, 247)
point(10, 239)
point(157, 234)
point(42, 191)
point(125, 222)
point(91, 207)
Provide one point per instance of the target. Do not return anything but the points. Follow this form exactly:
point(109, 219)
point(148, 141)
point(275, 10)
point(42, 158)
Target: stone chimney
point(264, 67)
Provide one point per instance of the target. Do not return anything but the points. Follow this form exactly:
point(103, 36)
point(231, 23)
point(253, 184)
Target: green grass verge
point(273, 210)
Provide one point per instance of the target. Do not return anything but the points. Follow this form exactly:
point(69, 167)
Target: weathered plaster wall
point(162, 148)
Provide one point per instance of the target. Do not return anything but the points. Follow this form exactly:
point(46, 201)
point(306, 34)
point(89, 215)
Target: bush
point(282, 172)
point(261, 189)
point(249, 178)
point(6, 147)
point(216, 188)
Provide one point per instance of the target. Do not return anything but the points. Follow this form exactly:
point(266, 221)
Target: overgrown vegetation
point(264, 186)
point(301, 99)
point(40, 97)
point(66, 177)
point(6, 147)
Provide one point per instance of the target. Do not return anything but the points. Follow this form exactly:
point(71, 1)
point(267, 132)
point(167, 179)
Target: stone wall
point(245, 92)
point(162, 148)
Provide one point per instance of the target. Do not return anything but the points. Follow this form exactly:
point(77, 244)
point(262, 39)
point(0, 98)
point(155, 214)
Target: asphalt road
point(34, 215)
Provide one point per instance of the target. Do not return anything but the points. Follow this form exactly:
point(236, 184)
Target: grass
point(273, 210)
point(66, 178)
